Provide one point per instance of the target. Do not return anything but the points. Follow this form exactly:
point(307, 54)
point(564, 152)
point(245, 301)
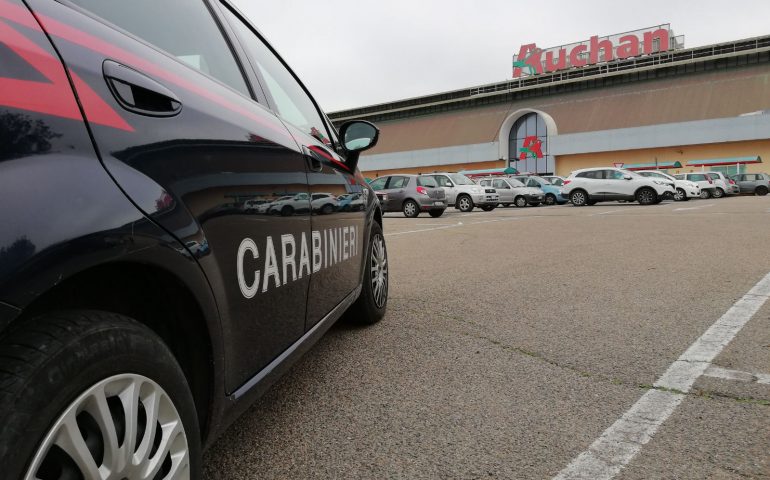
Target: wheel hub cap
point(379, 271)
point(125, 426)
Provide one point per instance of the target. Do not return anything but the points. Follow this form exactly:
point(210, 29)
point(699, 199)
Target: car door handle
point(313, 159)
point(139, 93)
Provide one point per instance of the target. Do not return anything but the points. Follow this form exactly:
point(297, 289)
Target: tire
point(370, 307)
point(58, 366)
point(719, 193)
point(646, 196)
point(464, 203)
point(488, 208)
point(705, 194)
point(550, 199)
point(286, 211)
point(410, 209)
point(579, 198)
point(680, 195)
point(327, 209)
point(520, 202)
point(760, 191)
point(436, 213)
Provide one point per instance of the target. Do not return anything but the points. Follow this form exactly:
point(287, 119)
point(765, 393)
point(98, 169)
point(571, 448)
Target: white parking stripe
point(620, 443)
point(610, 211)
point(693, 208)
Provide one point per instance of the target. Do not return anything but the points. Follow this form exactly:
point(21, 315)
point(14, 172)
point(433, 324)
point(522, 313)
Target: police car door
point(337, 236)
point(187, 136)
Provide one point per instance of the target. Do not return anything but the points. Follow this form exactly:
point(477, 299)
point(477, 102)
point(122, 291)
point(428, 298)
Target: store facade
point(666, 106)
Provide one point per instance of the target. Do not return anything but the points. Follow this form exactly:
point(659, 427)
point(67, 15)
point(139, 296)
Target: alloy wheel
point(679, 195)
point(125, 426)
point(379, 271)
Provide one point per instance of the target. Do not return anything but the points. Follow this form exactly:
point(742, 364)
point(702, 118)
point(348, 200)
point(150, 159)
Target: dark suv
point(143, 305)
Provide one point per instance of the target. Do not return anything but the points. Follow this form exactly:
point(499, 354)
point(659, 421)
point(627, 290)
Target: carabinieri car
point(143, 304)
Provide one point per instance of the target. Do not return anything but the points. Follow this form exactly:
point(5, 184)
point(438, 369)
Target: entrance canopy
point(490, 171)
point(652, 166)
point(718, 162)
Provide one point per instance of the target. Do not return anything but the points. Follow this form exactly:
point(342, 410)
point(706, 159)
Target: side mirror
point(357, 136)
point(627, 177)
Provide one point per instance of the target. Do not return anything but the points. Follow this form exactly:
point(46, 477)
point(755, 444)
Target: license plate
point(438, 203)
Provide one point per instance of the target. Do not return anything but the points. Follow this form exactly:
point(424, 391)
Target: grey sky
point(354, 53)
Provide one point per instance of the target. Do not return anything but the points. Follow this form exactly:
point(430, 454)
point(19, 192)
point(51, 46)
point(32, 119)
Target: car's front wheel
point(761, 191)
point(550, 199)
point(578, 198)
point(371, 304)
point(520, 202)
point(465, 203)
point(719, 193)
point(646, 196)
point(705, 194)
point(680, 195)
point(411, 209)
point(89, 395)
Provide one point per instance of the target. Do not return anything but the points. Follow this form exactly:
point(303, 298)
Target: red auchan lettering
point(533, 61)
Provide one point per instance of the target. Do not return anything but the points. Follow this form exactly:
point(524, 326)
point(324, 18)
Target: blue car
point(552, 192)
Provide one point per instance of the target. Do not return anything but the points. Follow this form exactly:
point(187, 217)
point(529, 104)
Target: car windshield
point(515, 183)
point(461, 179)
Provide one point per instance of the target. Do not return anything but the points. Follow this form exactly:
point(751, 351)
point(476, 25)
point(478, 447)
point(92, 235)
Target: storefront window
point(528, 145)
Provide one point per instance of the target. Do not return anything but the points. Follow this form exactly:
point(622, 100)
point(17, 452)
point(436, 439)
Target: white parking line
point(693, 208)
point(610, 211)
point(620, 443)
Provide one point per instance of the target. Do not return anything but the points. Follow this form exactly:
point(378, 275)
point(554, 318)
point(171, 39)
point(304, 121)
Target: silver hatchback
point(410, 194)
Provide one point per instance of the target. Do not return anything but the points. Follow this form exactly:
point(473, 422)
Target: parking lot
point(516, 338)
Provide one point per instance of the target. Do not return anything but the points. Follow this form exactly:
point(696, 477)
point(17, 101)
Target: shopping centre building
point(637, 99)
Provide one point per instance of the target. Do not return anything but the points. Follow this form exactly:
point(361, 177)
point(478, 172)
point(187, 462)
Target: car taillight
point(566, 182)
point(732, 182)
point(422, 190)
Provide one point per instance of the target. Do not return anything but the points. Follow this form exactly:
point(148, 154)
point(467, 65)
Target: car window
point(614, 174)
point(698, 177)
point(679, 177)
point(594, 174)
point(515, 183)
point(442, 180)
point(500, 184)
point(398, 182)
point(460, 179)
point(426, 181)
point(291, 101)
point(379, 184)
point(183, 28)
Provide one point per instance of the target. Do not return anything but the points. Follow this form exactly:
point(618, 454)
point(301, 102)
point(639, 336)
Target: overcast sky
point(353, 53)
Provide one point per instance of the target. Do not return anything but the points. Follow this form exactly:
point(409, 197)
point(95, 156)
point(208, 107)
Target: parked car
point(685, 189)
point(350, 202)
point(289, 205)
point(591, 185)
point(513, 192)
point(410, 194)
point(464, 194)
point(756, 183)
point(323, 203)
point(707, 186)
point(725, 186)
point(554, 180)
point(552, 192)
point(142, 312)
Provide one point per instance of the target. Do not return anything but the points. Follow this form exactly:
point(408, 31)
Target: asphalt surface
point(515, 338)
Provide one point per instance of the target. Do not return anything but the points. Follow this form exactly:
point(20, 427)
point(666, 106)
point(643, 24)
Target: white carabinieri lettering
point(325, 249)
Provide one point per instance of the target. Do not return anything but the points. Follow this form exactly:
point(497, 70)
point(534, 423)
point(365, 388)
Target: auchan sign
point(532, 60)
